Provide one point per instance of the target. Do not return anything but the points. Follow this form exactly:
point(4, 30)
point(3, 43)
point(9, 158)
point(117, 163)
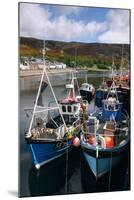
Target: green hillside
point(76, 53)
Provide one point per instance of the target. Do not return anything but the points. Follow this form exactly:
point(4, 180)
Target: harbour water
point(62, 176)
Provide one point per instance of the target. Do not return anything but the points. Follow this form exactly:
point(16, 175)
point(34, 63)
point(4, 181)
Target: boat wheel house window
point(64, 108)
point(69, 109)
point(75, 108)
point(106, 106)
point(117, 107)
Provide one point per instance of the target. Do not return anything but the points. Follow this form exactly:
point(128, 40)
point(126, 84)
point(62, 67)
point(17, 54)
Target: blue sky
point(85, 13)
point(71, 23)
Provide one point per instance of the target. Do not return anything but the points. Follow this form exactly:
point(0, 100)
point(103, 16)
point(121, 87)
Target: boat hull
point(45, 151)
point(102, 165)
point(99, 96)
point(102, 162)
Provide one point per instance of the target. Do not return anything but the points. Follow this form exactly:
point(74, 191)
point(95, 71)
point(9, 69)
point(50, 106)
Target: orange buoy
point(109, 142)
point(76, 142)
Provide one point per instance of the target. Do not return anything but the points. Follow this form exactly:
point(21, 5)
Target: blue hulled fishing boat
point(53, 128)
point(105, 135)
point(122, 84)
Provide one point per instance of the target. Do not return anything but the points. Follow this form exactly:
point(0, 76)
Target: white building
point(60, 65)
point(24, 66)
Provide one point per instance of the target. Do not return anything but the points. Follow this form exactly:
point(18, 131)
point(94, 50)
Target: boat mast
point(113, 65)
point(75, 56)
point(73, 83)
point(121, 72)
point(86, 77)
point(75, 69)
point(113, 85)
point(54, 95)
point(37, 97)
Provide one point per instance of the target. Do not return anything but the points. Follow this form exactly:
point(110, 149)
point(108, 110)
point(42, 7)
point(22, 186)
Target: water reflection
point(48, 179)
point(54, 177)
point(118, 181)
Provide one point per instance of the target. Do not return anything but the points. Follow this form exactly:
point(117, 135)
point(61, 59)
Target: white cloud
point(117, 27)
point(35, 21)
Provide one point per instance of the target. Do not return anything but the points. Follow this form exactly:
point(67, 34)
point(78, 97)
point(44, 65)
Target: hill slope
point(87, 53)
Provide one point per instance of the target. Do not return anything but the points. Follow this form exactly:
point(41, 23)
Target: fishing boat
point(122, 90)
point(105, 136)
point(122, 84)
point(53, 129)
point(87, 91)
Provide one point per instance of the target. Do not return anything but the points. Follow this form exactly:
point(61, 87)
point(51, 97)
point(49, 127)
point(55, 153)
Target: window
point(63, 108)
point(117, 107)
point(75, 108)
point(69, 109)
point(106, 106)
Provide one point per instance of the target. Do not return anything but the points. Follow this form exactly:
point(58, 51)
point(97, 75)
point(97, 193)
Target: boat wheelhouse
point(111, 108)
point(87, 91)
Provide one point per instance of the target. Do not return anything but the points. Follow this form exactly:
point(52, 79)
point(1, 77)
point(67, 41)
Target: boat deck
point(53, 129)
point(43, 133)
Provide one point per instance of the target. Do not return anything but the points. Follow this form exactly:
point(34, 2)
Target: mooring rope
point(66, 186)
point(109, 184)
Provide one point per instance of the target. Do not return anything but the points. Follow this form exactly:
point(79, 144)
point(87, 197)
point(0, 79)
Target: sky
point(71, 23)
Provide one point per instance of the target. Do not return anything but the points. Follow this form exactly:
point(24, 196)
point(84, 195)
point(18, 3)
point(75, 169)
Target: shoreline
point(38, 72)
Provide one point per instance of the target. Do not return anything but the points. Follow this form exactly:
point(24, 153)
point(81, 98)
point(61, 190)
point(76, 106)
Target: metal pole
point(37, 97)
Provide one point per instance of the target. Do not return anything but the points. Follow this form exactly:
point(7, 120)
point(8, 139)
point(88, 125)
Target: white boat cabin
point(87, 87)
point(70, 108)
